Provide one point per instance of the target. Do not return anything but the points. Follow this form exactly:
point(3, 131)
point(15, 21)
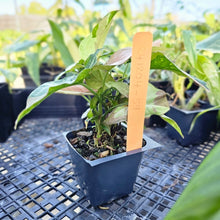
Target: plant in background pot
point(95, 149)
point(21, 54)
point(193, 110)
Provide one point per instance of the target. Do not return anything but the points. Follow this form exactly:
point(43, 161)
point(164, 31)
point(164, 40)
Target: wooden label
point(140, 67)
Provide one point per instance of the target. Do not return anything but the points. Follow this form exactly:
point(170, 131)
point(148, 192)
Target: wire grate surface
point(37, 180)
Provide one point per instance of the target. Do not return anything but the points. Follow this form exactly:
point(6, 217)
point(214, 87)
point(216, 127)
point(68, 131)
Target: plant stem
point(125, 72)
point(194, 98)
point(86, 98)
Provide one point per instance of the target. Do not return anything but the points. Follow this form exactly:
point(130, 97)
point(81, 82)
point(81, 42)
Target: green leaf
point(101, 30)
point(161, 61)
point(190, 47)
point(200, 199)
point(60, 44)
point(212, 78)
point(211, 43)
point(117, 115)
point(20, 46)
point(157, 103)
point(158, 61)
point(201, 113)
point(72, 47)
point(93, 102)
point(85, 113)
point(172, 123)
point(43, 54)
point(47, 89)
point(122, 87)
point(125, 8)
point(92, 59)
point(9, 75)
point(87, 47)
point(107, 129)
point(96, 79)
point(33, 66)
point(120, 23)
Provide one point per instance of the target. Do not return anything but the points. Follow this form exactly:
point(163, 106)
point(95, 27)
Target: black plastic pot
point(47, 73)
point(164, 85)
point(60, 105)
point(55, 106)
point(105, 179)
point(154, 121)
point(19, 100)
point(6, 112)
point(201, 131)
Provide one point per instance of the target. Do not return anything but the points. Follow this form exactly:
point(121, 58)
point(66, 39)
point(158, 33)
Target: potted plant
point(95, 148)
point(34, 58)
point(188, 107)
point(26, 51)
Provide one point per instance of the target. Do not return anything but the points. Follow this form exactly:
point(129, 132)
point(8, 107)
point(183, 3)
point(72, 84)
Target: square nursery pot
point(106, 179)
point(202, 128)
point(6, 112)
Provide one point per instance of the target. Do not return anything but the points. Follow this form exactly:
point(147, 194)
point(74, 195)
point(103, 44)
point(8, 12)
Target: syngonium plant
point(100, 83)
point(202, 67)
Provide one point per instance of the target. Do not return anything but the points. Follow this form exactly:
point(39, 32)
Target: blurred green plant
point(28, 53)
point(201, 67)
point(200, 199)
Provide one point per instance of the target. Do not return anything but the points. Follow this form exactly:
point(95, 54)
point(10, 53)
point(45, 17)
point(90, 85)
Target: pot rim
point(150, 144)
point(188, 112)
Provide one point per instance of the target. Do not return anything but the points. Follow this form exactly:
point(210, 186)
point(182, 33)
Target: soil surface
point(84, 142)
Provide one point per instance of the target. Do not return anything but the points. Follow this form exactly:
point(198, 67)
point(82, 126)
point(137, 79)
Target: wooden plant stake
point(140, 67)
